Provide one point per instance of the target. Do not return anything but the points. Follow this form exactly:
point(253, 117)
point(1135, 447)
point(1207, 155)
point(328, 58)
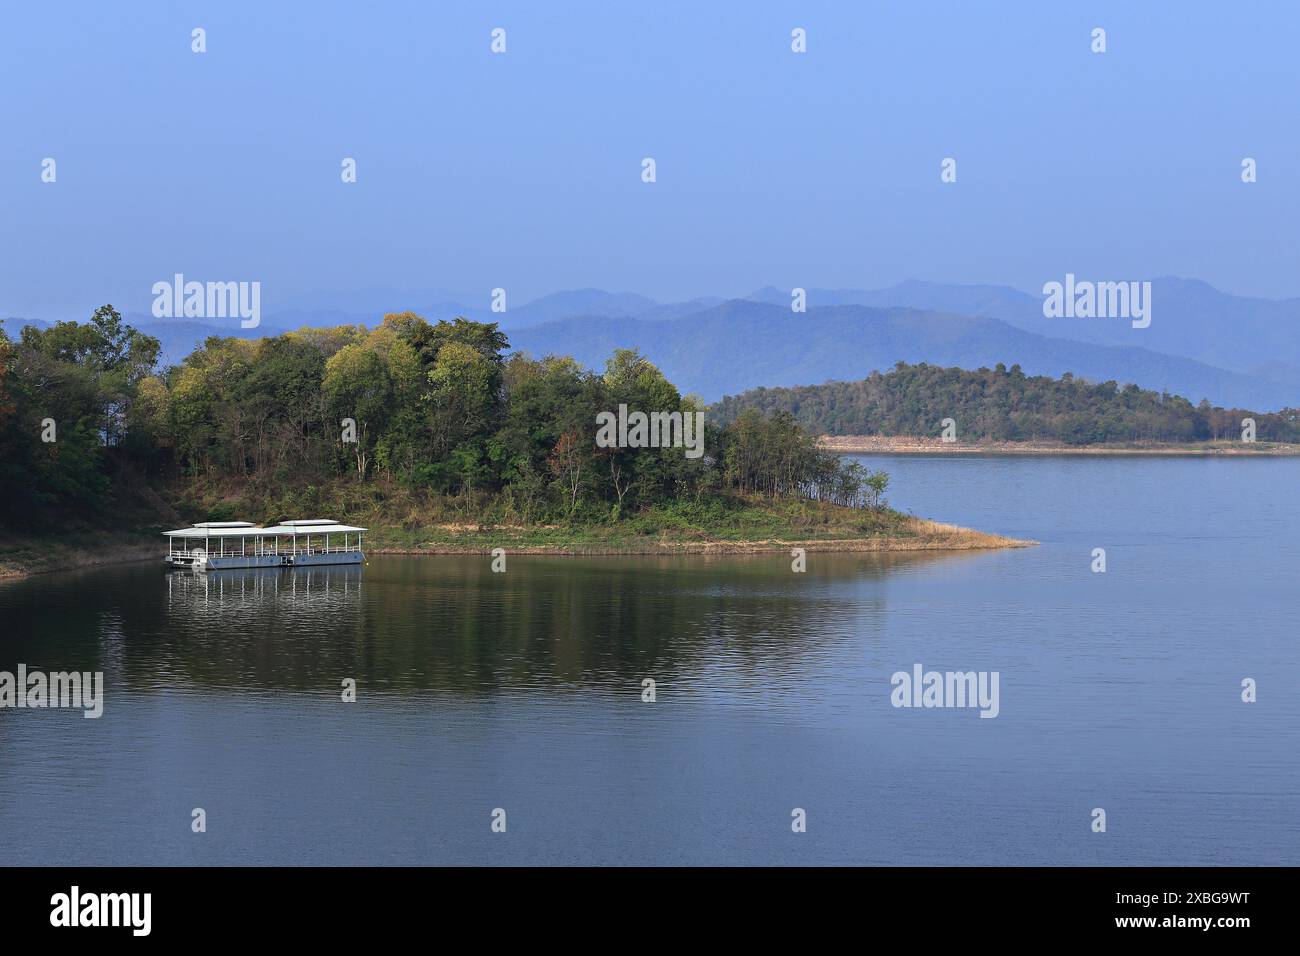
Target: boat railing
point(302, 549)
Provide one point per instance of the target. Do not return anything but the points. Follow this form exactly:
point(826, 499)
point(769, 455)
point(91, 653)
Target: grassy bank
point(25, 554)
point(403, 522)
point(908, 445)
point(748, 530)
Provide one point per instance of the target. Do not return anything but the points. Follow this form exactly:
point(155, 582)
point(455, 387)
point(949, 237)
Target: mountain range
point(1190, 318)
point(1202, 342)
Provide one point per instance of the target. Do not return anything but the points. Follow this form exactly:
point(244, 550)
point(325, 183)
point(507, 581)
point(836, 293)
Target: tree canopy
point(440, 407)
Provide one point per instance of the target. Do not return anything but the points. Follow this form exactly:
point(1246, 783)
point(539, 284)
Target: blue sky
point(522, 170)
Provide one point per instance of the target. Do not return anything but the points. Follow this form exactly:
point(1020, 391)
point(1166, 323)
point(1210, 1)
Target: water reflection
point(320, 588)
point(449, 624)
point(522, 690)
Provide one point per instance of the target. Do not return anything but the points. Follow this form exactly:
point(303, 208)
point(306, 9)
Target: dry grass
point(950, 537)
point(917, 534)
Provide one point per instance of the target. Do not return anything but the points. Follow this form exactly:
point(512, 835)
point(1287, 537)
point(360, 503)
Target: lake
point(523, 691)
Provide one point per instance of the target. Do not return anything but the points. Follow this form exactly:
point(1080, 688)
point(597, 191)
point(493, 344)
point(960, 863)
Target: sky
point(523, 170)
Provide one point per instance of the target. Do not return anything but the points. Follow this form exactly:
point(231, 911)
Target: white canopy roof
point(287, 529)
point(310, 529)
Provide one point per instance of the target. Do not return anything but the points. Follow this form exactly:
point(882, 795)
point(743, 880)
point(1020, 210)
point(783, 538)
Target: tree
point(566, 462)
point(358, 386)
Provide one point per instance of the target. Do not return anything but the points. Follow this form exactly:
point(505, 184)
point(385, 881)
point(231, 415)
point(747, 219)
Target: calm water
point(523, 691)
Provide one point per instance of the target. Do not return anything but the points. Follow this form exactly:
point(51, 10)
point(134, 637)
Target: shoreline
point(58, 555)
point(925, 535)
point(907, 445)
point(928, 536)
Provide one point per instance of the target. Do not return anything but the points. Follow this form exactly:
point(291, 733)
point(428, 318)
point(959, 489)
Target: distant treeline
point(85, 415)
point(1004, 404)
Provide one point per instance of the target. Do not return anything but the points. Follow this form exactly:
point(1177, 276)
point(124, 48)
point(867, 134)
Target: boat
point(218, 545)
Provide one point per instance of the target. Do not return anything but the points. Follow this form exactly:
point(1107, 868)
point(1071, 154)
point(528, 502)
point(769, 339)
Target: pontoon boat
point(216, 545)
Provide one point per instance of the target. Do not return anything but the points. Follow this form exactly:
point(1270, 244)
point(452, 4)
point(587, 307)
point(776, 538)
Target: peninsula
point(434, 437)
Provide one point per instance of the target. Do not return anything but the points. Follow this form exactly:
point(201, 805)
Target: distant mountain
point(565, 305)
point(549, 308)
point(580, 303)
point(1190, 318)
point(743, 344)
point(1201, 342)
point(12, 325)
point(992, 301)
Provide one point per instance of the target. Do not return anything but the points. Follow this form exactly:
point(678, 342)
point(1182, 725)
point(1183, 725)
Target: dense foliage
point(439, 408)
point(69, 415)
point(1003, 404)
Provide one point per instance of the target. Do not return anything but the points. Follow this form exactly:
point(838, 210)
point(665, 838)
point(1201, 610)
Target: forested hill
point(440, 410)
point(1003, 404)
